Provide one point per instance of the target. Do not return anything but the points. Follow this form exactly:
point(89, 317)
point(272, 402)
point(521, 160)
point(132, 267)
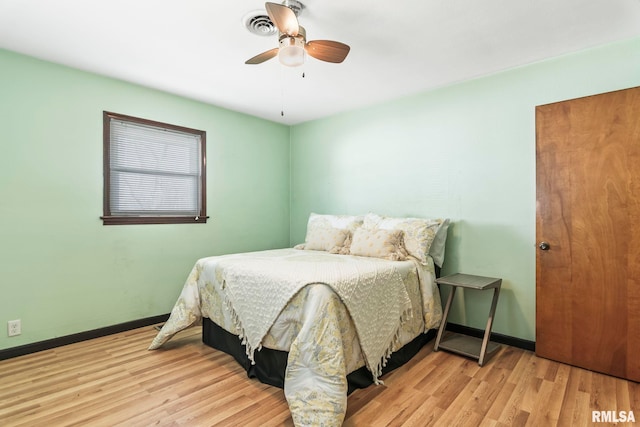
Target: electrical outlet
point(14, 327)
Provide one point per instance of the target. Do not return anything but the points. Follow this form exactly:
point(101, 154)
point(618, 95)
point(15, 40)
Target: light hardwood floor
point(114, 380)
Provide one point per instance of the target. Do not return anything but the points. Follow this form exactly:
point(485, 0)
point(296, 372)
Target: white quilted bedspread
point(257, 288)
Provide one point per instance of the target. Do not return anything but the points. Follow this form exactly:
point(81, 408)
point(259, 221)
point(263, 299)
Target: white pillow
point(326, 239)
point(378, 243)
point(418, 233)
point(437, 247)
point(330, 232)
point(348, 222)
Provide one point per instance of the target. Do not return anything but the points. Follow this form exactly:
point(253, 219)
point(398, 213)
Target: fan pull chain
point(282, 91)
point(282, 88)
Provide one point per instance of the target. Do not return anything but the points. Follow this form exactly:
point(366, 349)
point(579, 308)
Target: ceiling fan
point(292, 40)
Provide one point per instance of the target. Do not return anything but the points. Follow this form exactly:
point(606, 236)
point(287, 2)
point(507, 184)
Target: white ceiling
point(197, 48)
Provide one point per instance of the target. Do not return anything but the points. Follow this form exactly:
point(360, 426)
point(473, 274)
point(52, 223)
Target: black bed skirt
point(270, 364)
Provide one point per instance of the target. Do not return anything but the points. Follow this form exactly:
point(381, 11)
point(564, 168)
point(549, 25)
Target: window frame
point(110, 219)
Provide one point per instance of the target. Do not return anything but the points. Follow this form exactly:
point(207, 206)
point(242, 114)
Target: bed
point(323, 317)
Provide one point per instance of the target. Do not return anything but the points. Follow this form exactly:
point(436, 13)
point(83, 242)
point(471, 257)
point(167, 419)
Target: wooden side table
point(464, 344)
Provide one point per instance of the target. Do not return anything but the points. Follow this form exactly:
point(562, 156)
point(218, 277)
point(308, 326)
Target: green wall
point(466, 152)
point(61, 270)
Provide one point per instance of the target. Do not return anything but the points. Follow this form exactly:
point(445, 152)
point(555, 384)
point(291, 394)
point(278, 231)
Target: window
point(154, 173)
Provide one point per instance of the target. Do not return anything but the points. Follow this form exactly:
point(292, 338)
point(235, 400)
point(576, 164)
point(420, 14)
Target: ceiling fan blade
point(327, 50)
point(264, 56)
point(284, 18)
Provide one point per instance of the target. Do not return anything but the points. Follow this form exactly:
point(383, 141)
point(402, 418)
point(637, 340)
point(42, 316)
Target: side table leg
point(487, 331)
point(443, 323)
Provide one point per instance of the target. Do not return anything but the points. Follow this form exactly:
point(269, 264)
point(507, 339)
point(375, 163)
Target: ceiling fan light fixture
point(291, 51)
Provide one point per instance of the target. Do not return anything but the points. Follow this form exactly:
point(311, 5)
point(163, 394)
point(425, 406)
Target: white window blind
point(154, 171)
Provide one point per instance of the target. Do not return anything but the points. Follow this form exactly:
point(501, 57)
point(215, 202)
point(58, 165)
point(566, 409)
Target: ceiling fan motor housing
point(294, 5)
point(300, 38)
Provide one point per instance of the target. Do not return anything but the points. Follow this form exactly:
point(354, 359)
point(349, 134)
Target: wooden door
point(588, 211)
